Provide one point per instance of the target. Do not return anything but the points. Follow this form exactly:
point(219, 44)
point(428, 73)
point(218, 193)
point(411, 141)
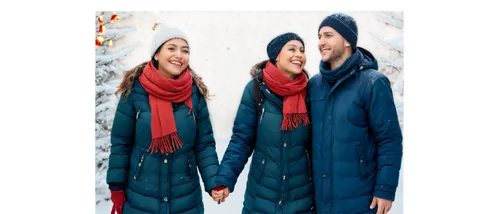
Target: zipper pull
point(262, 115)
point(194, 118)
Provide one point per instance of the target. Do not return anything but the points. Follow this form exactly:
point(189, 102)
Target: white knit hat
point(163, 33)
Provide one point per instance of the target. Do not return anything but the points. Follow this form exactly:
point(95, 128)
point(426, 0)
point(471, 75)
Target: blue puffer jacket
point(357, 140)
point(280, 177)
point(157, 183)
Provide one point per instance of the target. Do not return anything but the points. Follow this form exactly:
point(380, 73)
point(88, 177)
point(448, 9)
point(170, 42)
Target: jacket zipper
point(309, 165)
point(140, 167)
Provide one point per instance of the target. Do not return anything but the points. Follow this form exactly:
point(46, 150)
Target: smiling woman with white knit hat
point(162, 133)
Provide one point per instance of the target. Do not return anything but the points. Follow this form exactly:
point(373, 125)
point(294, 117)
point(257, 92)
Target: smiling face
point(332, 46)
point(291, 59)
point(173, 58)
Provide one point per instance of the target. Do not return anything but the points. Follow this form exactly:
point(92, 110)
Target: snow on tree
point(107, 72)
point(391, 64)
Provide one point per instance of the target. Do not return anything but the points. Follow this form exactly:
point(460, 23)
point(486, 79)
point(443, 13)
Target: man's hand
point(226, 194)
point(383, 205)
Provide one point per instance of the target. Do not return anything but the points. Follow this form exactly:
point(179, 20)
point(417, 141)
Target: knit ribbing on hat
point(345, 25)
point(274, 47)
point(163, 33)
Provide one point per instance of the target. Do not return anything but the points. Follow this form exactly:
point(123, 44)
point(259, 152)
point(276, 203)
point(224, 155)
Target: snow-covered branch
point(393, 42)
point(115, 82)
point(108, 118)
point(391, 21)
point(395, 15)
point(111, 34)
point(105, 88)
point(117, 55)
point(397, 63)
point(103, 72)
point(105, 106)
point(117, 68)
point(102, 142)
point(99, 131)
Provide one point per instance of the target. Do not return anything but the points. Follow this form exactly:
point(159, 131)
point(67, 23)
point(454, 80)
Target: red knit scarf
point(294, 93)
point(162, 92)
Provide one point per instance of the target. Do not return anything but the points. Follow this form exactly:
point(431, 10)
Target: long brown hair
point(129, 77)
point(262, 65)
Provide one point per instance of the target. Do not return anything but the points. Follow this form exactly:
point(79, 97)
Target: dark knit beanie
point(274, 47)
point(343, 24)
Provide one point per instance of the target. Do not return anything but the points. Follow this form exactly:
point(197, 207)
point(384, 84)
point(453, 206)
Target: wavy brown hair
point(262, 65)
point(129, 77)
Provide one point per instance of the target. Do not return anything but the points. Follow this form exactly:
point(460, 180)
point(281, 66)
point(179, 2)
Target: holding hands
point(220, 193)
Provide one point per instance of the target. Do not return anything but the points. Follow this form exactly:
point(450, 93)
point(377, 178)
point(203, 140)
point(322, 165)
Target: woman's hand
point(220, 193)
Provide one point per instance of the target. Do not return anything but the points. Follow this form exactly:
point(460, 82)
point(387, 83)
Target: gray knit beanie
point(163, 33)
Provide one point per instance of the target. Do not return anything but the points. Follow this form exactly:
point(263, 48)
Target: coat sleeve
point(122, 140)
point(388, 138)
point(206, 156)
point(242, 141)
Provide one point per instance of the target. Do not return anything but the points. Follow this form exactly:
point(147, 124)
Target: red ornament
point(101, 19)
point(101, 29)
point(114, 18)
point(98, 41)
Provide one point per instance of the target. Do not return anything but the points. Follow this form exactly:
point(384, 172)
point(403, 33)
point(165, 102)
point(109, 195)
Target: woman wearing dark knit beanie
point(273, 123)
point(161, 133)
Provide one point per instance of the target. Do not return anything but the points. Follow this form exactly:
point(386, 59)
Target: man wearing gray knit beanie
point(357, 140)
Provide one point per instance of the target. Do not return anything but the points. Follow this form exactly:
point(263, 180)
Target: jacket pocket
point(191, 166)
point(309, 167)
point(260, 166)
point(357, 116)
point(361, 162)
point(139, 166)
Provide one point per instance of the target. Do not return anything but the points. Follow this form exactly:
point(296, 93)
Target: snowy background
point(224, 46)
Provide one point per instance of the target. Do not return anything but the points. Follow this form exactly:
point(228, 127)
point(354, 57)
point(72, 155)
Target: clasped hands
point(220, 193)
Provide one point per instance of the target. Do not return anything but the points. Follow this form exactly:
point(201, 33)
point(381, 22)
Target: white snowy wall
point(225, 45)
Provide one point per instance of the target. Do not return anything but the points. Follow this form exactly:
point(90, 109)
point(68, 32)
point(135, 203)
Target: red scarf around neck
point(294, 93)
point(162, 92)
